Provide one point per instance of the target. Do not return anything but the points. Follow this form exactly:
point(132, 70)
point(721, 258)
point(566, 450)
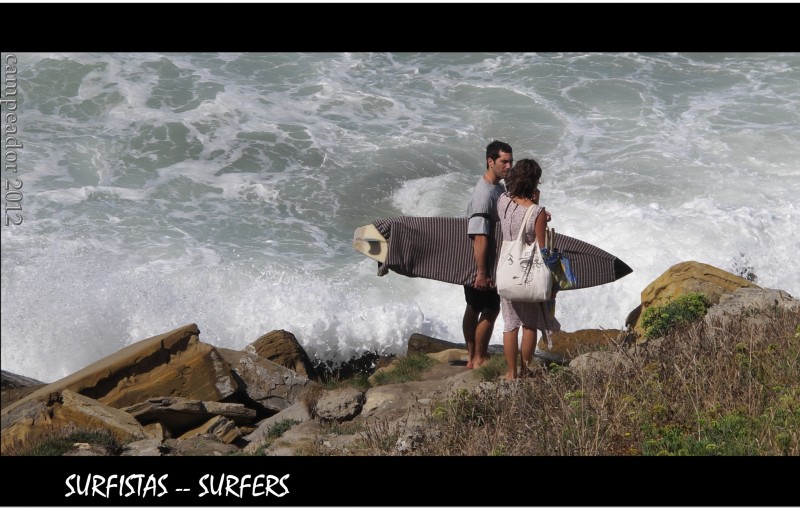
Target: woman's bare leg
point(528, 347)
point(510, 352)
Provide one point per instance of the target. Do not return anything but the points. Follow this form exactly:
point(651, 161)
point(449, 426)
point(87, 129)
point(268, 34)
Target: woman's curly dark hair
point(522, 179)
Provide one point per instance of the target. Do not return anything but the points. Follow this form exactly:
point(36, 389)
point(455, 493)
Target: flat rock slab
point(178, 415)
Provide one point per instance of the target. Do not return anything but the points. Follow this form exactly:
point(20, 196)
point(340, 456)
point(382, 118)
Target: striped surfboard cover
point(438, 248)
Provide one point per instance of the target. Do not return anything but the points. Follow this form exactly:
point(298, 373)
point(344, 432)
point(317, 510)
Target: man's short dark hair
point(494, 149)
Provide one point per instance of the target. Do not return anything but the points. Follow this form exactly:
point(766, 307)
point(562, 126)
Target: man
point(483, 302)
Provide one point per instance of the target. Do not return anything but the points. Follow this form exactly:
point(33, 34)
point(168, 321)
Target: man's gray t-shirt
point(482, 209)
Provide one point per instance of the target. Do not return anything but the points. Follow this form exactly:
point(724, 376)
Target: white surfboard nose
point(369, 241)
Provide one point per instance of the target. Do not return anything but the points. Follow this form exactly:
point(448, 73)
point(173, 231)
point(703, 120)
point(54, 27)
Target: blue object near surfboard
point(438, 248)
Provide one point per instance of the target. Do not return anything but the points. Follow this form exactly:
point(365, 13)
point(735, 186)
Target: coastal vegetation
point(406, 369)
point(63, 440)
point(657, 321)
point(696, 394)
point(275, 432)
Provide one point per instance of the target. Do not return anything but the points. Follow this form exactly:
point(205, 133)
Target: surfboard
point(438, 248)
point(369, 241)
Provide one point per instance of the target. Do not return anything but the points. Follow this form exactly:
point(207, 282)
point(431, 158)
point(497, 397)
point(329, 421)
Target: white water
point(223, 190)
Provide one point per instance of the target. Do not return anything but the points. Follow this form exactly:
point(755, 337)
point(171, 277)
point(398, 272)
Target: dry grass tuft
point(731, 389)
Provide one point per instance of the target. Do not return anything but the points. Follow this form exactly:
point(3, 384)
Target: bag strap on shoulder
point(525, 221)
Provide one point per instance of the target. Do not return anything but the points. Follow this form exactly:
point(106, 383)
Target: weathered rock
point(146, 447)
point(271, 385)
point(177, 415)
point(37, 419)
point(750, 301)
point(204, 445)
point(219, 427)
point(87, 413)
point(409, 401)
point(393, 402)
point(419, 344)
point(403, 408)
point(689, 277)
point(568, 345)
point(282, 348)
point(340, 404)
point(171, 364)
point(14, 387)
point(26, 423)
point(297, 412)
point(10, 396)
point(466, 381)
point(299, 440)
point(753, 311)
point(156, 430)
point(451, 356)
point(9, 380)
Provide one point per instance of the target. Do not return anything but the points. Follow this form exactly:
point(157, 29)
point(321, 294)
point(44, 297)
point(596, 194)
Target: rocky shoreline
point(175, 395)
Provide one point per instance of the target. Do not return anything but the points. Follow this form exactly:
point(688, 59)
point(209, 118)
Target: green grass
point(407, 369)
point(359, 381)
point(658, 321)
point(274, 432)
point(494, 368)
point(279, 428)
point(61, 442)
point(731, 434)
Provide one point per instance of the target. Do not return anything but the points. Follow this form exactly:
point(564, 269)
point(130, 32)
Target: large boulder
point(171, 364)
point(341, 404)
point(87, 413)
point(281, 347)
point(754, 309)
point(9, 380)
point(65, 411)
point(271, 385)
point(685, 278)
point(14, 387)
point(745, 300)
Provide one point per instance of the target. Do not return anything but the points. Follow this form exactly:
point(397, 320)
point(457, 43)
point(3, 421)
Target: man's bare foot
point(508, 377)
point(469, 365)
point(481, 362)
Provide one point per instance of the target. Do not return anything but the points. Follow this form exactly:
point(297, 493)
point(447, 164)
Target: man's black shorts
point(481, 301)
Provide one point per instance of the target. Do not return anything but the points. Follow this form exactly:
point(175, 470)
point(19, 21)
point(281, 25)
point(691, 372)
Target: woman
point(522, 192)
